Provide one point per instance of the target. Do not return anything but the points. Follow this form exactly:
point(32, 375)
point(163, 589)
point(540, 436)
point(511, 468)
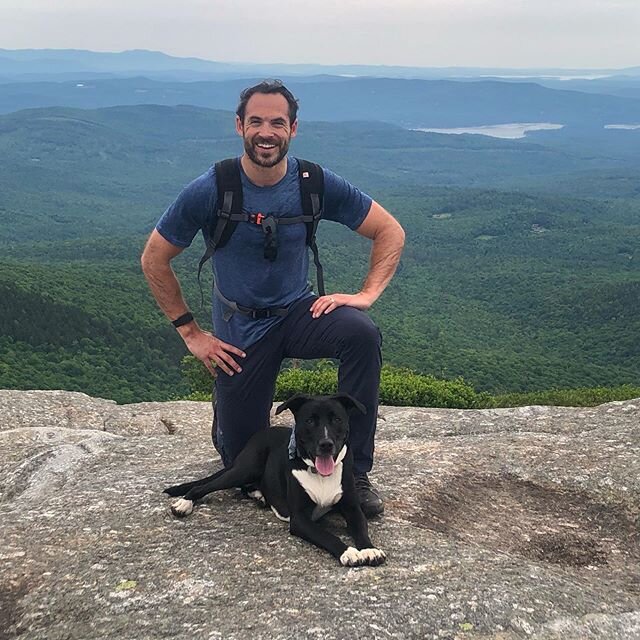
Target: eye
point(309, 420)
point(336, 419)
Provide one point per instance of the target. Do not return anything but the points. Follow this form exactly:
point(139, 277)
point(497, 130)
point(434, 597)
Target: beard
point(262, 157)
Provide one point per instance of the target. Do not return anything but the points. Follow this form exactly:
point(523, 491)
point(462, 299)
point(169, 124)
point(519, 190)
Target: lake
point(630, 127)
point(510, 130)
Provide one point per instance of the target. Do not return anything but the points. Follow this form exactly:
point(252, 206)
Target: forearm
point(167, 292)
point(388, 240)
point(165, 288)
point(156, 266)
point(384, 260)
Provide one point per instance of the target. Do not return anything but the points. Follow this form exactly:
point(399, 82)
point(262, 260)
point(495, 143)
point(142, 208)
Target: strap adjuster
point(256, 218)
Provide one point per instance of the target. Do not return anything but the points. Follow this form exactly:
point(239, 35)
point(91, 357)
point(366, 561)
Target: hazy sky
point(507, 33)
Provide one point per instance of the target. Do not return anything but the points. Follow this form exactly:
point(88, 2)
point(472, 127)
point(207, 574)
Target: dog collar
point(293, 447)
point(293, 452)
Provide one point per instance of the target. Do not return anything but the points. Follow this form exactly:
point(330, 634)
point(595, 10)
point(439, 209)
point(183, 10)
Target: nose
point(266, 129)
point(326, 447)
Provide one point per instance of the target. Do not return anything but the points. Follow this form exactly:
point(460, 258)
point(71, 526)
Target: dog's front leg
point(359, 530)
point(356, 523)
point(302, 526)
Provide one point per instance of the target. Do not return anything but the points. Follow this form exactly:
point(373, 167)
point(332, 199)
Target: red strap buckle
point(257, 218)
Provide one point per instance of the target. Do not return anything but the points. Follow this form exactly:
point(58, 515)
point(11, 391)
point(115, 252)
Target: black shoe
point(370, 502)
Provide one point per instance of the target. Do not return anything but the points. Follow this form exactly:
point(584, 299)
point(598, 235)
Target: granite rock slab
point(499, 524)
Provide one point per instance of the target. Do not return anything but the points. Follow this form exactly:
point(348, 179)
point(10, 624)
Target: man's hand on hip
point(207, 348)
point(326, 304)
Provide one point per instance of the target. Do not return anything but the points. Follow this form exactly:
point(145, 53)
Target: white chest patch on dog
point(325, 491)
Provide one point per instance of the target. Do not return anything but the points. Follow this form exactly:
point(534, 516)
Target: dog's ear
point(293, 403)
point(349, 403)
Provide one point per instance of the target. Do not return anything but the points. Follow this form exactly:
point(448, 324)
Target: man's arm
point(156, 266)
point(388, 240)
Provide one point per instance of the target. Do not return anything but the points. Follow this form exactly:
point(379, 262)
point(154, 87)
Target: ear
point(350, 403)
point(239, 126)
point(294, 403)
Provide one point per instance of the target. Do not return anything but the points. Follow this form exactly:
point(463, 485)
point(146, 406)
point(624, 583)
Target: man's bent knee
point(358, 330)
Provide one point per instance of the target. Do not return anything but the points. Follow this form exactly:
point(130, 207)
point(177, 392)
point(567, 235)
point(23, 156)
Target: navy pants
point(243, 401)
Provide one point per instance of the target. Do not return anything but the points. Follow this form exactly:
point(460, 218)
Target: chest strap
point(260, 218)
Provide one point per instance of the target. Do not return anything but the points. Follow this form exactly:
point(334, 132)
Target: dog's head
point(322, 427)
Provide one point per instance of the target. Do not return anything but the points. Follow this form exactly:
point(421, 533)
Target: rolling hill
point(115, 169)
point(408, 103)
point(512, 290)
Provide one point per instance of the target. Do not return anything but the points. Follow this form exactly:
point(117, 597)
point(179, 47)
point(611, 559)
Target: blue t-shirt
point(241, 272)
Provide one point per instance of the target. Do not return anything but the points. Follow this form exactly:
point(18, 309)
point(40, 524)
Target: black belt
point(255, 314)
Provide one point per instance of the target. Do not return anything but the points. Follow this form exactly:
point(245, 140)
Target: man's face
point(266, 130)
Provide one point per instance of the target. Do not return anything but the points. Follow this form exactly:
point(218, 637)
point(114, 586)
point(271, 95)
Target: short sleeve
point(343, 202)
point(189, 212)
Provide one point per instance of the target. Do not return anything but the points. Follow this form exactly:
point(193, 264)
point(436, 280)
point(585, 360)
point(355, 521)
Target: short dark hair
point(268, 86)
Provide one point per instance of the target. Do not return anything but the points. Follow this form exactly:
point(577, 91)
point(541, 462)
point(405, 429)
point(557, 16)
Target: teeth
point(266, 146)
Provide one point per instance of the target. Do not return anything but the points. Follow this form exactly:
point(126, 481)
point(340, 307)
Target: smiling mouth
point(265, 146)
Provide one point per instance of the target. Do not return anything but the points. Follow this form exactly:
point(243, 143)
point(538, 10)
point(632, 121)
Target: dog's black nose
point(326, 446)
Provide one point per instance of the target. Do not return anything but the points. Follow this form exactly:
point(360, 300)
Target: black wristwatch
point(185, 318)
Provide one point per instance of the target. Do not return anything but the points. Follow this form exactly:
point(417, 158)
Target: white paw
point(257, 495)
point(373, 556)
point(182, 507)
point(351, 558)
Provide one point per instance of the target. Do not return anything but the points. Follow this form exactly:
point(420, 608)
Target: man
point(246, 352)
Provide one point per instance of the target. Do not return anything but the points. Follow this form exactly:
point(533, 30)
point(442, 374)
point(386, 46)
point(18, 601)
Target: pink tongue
point(325, 465)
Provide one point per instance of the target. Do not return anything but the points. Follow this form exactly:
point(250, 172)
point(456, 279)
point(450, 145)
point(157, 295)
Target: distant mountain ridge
point(65, 60)
point(141, 61)
point(409, 103)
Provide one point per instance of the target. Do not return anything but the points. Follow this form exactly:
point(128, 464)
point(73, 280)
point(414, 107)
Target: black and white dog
point(300, 476)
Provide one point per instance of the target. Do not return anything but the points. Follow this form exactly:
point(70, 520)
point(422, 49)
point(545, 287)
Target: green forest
point(523, 280)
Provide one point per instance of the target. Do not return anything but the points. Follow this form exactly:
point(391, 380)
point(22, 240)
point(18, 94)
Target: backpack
point(228, 208)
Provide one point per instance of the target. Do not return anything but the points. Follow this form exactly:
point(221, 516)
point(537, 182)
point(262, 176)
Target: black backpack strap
point(312, 193)
point(225, 212)
point(229, 205)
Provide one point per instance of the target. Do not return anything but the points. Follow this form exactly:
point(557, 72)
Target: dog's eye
point(309, 420)
point(336, 419)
